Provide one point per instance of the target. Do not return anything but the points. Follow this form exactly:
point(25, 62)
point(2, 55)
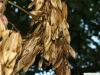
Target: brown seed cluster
point(10, 46)
point(50, 40)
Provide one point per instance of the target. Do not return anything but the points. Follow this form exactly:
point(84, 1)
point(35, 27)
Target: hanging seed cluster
point(10, 47)
point(50, 38)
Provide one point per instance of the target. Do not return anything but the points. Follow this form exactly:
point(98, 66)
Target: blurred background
point(84, 21)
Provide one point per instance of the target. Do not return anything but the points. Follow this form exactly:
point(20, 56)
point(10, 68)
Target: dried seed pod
point(54, 3)
point(31, 4)
point(10, 51)
point(36, 13)
point(40, 63)
point(9, 68)
point(5, 35)
point(4, 20)
point(47, 46)
point(47, 55)
point(58, 63)
point(64, 10)
point(39, 4)
point(9, 48)
point(1, 7)
point(72, 52)
point(47, 39)
point(0, 69)
point(65, 31)
point(2, 27)
point(59, 3)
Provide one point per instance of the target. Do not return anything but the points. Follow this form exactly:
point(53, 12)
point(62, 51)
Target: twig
point(20, 8)
point(34, 17)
